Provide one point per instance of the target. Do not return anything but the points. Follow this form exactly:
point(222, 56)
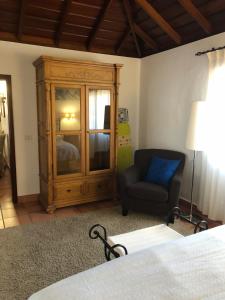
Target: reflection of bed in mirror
point(68, 154)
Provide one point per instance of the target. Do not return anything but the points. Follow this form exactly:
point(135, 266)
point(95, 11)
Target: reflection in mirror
point(99, 151)
point(68, 154)
point(99, 109)
point(67, 108)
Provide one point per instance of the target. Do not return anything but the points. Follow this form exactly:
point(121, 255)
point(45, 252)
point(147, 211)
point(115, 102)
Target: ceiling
point(135, 28)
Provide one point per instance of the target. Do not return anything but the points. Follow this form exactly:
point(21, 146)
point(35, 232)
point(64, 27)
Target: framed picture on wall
point(123, 115)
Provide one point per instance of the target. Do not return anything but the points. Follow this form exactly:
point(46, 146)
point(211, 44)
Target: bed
point(66, 151)
point(189, 268)
point(68, 156)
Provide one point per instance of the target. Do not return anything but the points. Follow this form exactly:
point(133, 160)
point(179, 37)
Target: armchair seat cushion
point(148, 191)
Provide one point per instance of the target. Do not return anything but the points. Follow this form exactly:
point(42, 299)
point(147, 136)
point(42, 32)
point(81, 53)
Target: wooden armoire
point(77, 104)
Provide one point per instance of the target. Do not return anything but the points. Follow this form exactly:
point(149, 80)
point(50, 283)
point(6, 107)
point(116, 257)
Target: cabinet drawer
point(70, 191)
point(100, 186)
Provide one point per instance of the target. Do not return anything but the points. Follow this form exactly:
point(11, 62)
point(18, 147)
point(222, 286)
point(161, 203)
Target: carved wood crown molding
point(89, 75)
point(52, 68)
point(86, 75)
point(50, 59)
point(81, 73)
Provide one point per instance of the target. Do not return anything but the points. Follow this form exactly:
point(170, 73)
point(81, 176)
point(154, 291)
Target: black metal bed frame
point(108, 249)
point(176, 214)
point(95, 232)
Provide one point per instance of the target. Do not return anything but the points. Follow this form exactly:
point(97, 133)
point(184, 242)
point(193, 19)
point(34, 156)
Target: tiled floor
point(32, 212)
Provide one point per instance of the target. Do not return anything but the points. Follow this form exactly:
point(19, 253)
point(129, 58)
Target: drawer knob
point(68, 190)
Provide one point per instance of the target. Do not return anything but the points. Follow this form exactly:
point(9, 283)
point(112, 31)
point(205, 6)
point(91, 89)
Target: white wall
point(170, 82)
point(16, 60)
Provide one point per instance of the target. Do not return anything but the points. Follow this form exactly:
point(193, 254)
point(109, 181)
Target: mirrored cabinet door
point(67, 108)
point(99, 129)
point(69, 134)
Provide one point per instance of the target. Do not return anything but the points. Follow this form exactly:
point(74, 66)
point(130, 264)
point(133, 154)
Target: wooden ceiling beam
point(125, 36)
point(145, 37)
point(98, 24)
point(130, 20)
point(49, 42)
point(141, 33)
point(123, 40)
point(64, 14)
point(23, 4)
point(165, 26)
point(197, 15)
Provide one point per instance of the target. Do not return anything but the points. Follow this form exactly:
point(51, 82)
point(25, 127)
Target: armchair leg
point(174, 213)
point(124, 211)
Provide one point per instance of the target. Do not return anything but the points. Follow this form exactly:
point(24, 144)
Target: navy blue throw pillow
point(161, 170)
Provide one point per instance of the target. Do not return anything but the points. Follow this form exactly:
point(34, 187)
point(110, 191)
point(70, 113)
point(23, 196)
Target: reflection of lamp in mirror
point(69, 121)
point(69, 116)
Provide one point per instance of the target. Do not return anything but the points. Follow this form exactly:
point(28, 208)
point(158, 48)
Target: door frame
point(12, 157)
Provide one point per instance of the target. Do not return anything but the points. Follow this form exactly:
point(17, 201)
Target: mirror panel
point(67, 108)
point(99, 151)
point(99, 109)
point(68, 149)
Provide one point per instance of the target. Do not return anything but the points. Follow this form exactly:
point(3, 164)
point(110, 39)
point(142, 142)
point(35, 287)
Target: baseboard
point(187, 200)
point(186, 203)
point(28, 198)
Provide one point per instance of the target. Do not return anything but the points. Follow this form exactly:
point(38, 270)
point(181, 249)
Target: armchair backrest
point(142, 158)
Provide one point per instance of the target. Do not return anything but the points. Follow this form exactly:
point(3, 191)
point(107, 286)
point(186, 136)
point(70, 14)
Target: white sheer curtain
point(98, 100)
point(212, 185)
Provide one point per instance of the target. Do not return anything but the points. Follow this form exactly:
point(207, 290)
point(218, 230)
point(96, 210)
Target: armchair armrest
point(174, 189)
point(129, 176)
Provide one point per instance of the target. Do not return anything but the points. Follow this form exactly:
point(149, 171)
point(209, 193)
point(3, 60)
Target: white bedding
point(143, 238)
point(189, 268)
point(66, 151)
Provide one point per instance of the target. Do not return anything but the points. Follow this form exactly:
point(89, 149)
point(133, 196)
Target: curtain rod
point(211, 50)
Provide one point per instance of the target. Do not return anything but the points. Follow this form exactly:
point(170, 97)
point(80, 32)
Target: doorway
point(8, 182)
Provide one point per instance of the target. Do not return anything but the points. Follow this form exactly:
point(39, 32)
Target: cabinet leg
point(50, 209)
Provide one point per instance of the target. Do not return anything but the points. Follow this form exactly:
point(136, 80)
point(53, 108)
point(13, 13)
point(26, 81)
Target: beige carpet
point(36, 255)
